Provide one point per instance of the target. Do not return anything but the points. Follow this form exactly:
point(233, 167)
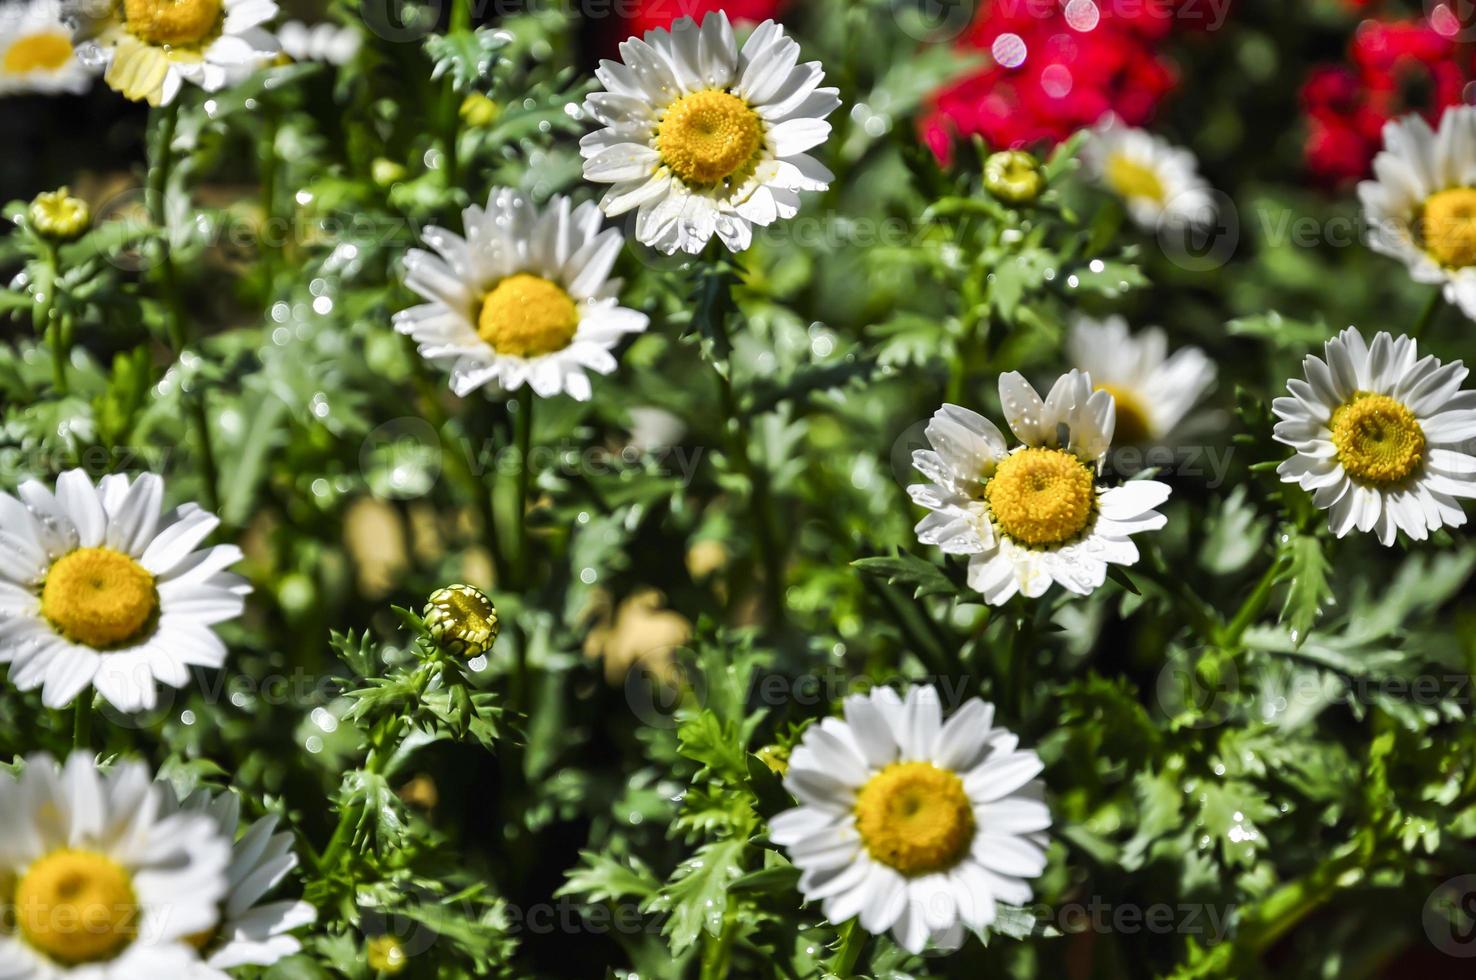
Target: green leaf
point(696, 897)
point(908, 569)
point(603, 878)
point(1309, 587)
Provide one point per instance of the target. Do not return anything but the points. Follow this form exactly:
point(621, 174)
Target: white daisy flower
point(1158, 182)
point(331, 44)
point(97, 586)
point(36, 50)
point(1421, 209)
point(914, 825)
point(1033, 515)
point(705, 139)
point(525, 297)
point(251, 932)
point(1382, 438)
point(1153, 391)
point(150, 48)
point(103, 881)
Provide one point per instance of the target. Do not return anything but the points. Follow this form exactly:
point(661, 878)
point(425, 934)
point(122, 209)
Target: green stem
point(524, 425)
point(461, 20)
point(82, 721)
point(1427, 316)
point(271, 248)
point(1253, 606)
point(852, 941)
point(717, 954)
point(50, 323)
point(760, 498)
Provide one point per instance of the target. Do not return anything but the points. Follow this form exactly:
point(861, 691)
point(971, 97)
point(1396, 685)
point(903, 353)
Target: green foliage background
point(1257, 722)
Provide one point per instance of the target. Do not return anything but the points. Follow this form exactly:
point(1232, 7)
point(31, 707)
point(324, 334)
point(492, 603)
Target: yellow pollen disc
point(710, 137)
point(99, 597)
point(1132, 179)
point(1379, 441)
point(528, 316)
point(1134, 426)
point(1448, 227)
point(172, 22)
point(1041, 496)
point(76, 907)
point(38, 52)
point(915, 817)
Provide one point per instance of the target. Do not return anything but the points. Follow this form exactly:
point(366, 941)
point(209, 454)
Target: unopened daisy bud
point(385, 172)
point(462, 620)
point(58, 215)
point(776, 757)
point(1013, 176)
point(477, 110)
point(386, 955)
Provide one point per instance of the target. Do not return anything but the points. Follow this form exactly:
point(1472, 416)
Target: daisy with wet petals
point(1421, 208)
point(100, 586)
point(150, 48)
point(525, 298)
point(701, 138)
point(1032, 515)
point(916, 826)
point(36, 50)
point(1382, 437)
point(103, 880)
point(1152, 390)
point(251, 932)
point(1158, 182)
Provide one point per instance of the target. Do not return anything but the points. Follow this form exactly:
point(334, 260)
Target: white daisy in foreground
point(1421, 209)
point(97, 586)
point(251, 933)
point(1382, 439)
point(36, 50)
point(914, 825)
point(525, 298)
point(328, 43)
point(1153, 391)
point(704, 139)
point(150, 48)
point(104, 881)
point(1157, 181)
point(1033, 515)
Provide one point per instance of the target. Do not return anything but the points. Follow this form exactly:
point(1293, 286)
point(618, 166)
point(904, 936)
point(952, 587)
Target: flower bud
point(385, 172)
point(462, 620)
point(478, 111)
point(60, 216)
point(386, 955)
point(1013, 176)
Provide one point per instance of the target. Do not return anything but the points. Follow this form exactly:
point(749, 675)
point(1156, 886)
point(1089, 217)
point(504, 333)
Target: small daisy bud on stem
point(60, 216)
point(478, 111)
point(386, 955)
point(462, 620)
point(1013, 176)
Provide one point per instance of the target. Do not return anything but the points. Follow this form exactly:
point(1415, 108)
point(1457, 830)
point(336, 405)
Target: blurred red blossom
point(1394, 68)
point(651, 14)
point(1054, 68)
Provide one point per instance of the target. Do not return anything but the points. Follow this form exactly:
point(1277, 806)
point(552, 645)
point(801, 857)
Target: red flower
point(1396, 67)
point(1055, 68)
point(651, 14)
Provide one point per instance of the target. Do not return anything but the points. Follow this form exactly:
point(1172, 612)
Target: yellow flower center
point(1134, 425)
point(710, 137)
point(1379, 441)
point(1041, 496)
point(172, 22)
point(1448, 227)
point(99, 597)
point(76, 907)
point(915, 817)
point(528, 316)
point(1132, 179)
point(38, 52)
